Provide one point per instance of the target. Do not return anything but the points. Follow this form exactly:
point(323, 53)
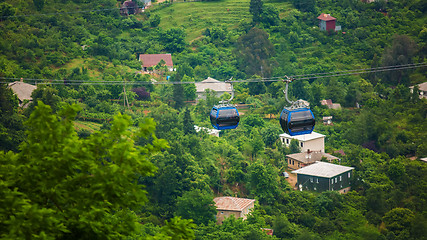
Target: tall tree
point(255, 8)
point(253, 53)
point(401, 52)
point(188, 122)
point(11, 123)
point(196, 205)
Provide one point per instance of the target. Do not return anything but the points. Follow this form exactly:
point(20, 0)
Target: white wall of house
point(314, 142)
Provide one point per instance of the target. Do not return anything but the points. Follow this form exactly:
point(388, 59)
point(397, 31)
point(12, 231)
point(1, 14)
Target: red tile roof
point(325, 17)
point(150, 60)
point(232, 203)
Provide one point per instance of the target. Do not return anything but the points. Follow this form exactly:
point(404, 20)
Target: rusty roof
point(326, 17)
point(232, 203)
point(151, 60)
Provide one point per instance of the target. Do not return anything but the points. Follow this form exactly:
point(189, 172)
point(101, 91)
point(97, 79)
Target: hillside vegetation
point(103, 153)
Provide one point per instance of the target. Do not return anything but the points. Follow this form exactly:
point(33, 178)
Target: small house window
point(287, 140)
point(317, 180)
point(336, 180)
point(348, 174)
point(340, 178)
point(315, 188)
point(311, 179)
point(332, 181)
point(302, 144)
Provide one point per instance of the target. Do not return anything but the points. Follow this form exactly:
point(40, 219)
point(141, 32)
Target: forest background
point(78, 163)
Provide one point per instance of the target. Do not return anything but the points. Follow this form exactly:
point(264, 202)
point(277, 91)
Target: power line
point(311, 76)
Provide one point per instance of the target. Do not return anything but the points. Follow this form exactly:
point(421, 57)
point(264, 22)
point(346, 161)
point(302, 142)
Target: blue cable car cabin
point(224, 117)
point(297, 121)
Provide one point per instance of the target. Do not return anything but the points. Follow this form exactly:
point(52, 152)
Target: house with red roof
point(232, 206)
point(327, 22)
point(151, 60)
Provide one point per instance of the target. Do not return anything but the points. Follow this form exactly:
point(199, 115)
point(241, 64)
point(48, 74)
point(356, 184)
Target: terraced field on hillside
point(195, 17)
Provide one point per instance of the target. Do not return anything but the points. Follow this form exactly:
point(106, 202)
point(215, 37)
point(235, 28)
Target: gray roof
point(213, 84)
point(22, 90)
point(323, 169)
point(311, 157)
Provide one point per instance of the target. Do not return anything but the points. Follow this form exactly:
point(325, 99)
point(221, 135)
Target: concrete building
point(232, 206)
point(315, 142)
point(212, 84)
point(300, 160)
point(322, 176)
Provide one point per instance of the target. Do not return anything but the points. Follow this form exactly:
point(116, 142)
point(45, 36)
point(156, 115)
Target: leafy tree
point(6, 9)
point(196, 205)
point(47, 95)
point(253, 52)
point(173, 39)
point(398, 221)
point(178, 95)
point(263, 183)
point(294, 146)
point(400, 52)
point(11, 123)
point(305, 6)
point(270, 16)
point(39, 4)
point(155, 20)
point(178, 229)
point(283, 228)
point(142, 93)
point(256, 9)
point(188, 123)
point(60, 186)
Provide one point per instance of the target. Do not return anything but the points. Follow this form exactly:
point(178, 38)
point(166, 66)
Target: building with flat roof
point(314, 142)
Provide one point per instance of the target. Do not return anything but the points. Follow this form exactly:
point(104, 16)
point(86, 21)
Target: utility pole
point(125, 98)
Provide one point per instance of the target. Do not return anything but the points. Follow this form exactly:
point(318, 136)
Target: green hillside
point(107, 151)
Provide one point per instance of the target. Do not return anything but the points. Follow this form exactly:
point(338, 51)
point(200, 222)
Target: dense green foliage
point(57, 183)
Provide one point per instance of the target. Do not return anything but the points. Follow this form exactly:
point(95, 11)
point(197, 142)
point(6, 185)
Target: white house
point(314, 141)
point(212, 84)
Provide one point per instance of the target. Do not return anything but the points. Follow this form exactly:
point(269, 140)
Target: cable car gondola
point(225, 115)
point(297, 119)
